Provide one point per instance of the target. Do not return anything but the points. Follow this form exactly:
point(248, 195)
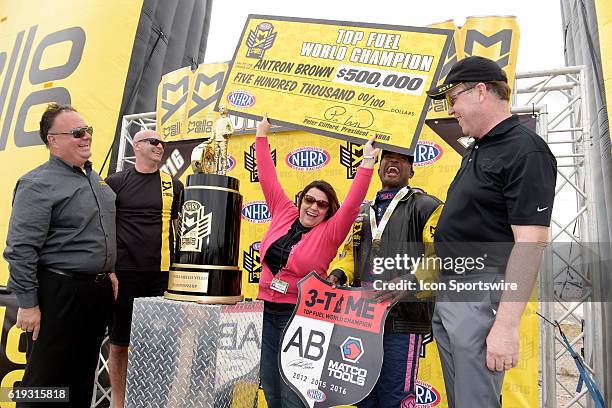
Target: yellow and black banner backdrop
point(344, 80)
point(604, 25)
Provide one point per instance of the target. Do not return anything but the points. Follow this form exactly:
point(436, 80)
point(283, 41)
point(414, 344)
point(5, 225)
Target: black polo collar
point(501, 128)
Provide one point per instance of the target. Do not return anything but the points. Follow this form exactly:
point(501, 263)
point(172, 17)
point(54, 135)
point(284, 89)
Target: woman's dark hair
point(329, 191)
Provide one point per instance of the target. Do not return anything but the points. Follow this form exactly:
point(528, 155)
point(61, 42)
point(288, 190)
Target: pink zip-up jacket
point(319, 246)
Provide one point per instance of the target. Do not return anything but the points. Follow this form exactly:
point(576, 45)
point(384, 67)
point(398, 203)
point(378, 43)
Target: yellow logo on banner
point(206, 88)
point(62, 56)
point(186, 101)
point(172, 103)
point(345, 81)
point(496, 38)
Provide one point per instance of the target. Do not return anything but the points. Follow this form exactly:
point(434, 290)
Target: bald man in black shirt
point(147, 202)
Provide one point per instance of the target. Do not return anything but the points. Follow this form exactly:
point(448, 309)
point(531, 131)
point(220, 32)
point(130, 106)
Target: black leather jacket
point(409, 231)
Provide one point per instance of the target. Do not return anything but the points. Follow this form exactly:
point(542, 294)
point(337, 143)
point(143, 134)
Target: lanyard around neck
point(377, 230)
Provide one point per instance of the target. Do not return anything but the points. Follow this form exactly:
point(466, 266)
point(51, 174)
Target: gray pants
point(460, 330)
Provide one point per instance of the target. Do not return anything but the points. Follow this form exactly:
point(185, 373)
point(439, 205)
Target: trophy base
point(204, 299)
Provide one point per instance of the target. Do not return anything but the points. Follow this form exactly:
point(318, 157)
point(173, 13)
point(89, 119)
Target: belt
point(99, 277)
point(395, 324)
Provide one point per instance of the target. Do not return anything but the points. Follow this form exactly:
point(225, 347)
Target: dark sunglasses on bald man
point(77, 133)
point(153, 141)
point(310, 200)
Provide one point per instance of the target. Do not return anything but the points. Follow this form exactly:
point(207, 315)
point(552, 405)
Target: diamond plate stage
point(184, 354)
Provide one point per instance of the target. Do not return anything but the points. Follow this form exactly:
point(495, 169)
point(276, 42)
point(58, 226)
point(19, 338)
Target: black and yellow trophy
point(205, 265)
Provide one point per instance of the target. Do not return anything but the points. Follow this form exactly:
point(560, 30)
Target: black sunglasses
point(153, 141)
point(77, 133)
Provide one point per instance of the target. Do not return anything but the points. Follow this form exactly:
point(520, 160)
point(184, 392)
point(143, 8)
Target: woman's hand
point(370, 153)
point(264, 126)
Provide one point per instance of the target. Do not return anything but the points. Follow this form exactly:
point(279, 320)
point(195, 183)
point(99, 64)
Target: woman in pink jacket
point(299, 240)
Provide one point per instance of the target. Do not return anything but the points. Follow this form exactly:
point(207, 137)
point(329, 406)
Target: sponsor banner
point(494, 37)
point(331, 350)
point(345, 80)
point(172, 104)
point(64, 54)
point(186, 104)
point(205, 87)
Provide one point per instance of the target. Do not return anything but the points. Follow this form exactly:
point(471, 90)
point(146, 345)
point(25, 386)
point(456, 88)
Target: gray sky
point(541, 43)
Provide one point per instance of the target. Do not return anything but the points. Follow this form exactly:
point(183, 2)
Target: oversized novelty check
point(340, 79)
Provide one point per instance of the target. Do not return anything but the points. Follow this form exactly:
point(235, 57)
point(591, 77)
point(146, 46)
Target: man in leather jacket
point(399, 221)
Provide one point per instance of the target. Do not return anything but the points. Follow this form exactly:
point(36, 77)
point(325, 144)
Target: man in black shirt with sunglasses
point(147, 202)
point(61, 252)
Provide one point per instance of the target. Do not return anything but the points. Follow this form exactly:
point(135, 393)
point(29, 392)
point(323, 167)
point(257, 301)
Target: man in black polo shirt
point(61, 252)
point(147, 202)
point(498, 208)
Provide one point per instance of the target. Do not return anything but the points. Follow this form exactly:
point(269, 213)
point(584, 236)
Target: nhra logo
point(350, 157)
point(256, 212)
point(252, 262)
point(426, 395)
point(307, 158)
point(427, 153)
point(260, 40)
point(352, 349)
point(241, 99)
point(231, 163)
point(251, 164)
point(317, 395)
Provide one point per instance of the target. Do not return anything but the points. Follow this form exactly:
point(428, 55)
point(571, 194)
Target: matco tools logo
point(307, 158)
point(352, 349)
point(251, 165)
point(427, 153)
point(260, 40)
point(42, 71)
point(426, 395)
point(256, 212)
point(350, 157)
point(241, 99)
point(251, 262)
point(195, 226)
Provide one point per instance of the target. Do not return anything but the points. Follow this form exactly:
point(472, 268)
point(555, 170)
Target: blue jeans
point(278, 394)
point(396, 386)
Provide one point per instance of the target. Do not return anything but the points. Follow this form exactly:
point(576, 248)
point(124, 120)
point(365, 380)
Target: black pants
point(74, 316)
point(133, 284)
